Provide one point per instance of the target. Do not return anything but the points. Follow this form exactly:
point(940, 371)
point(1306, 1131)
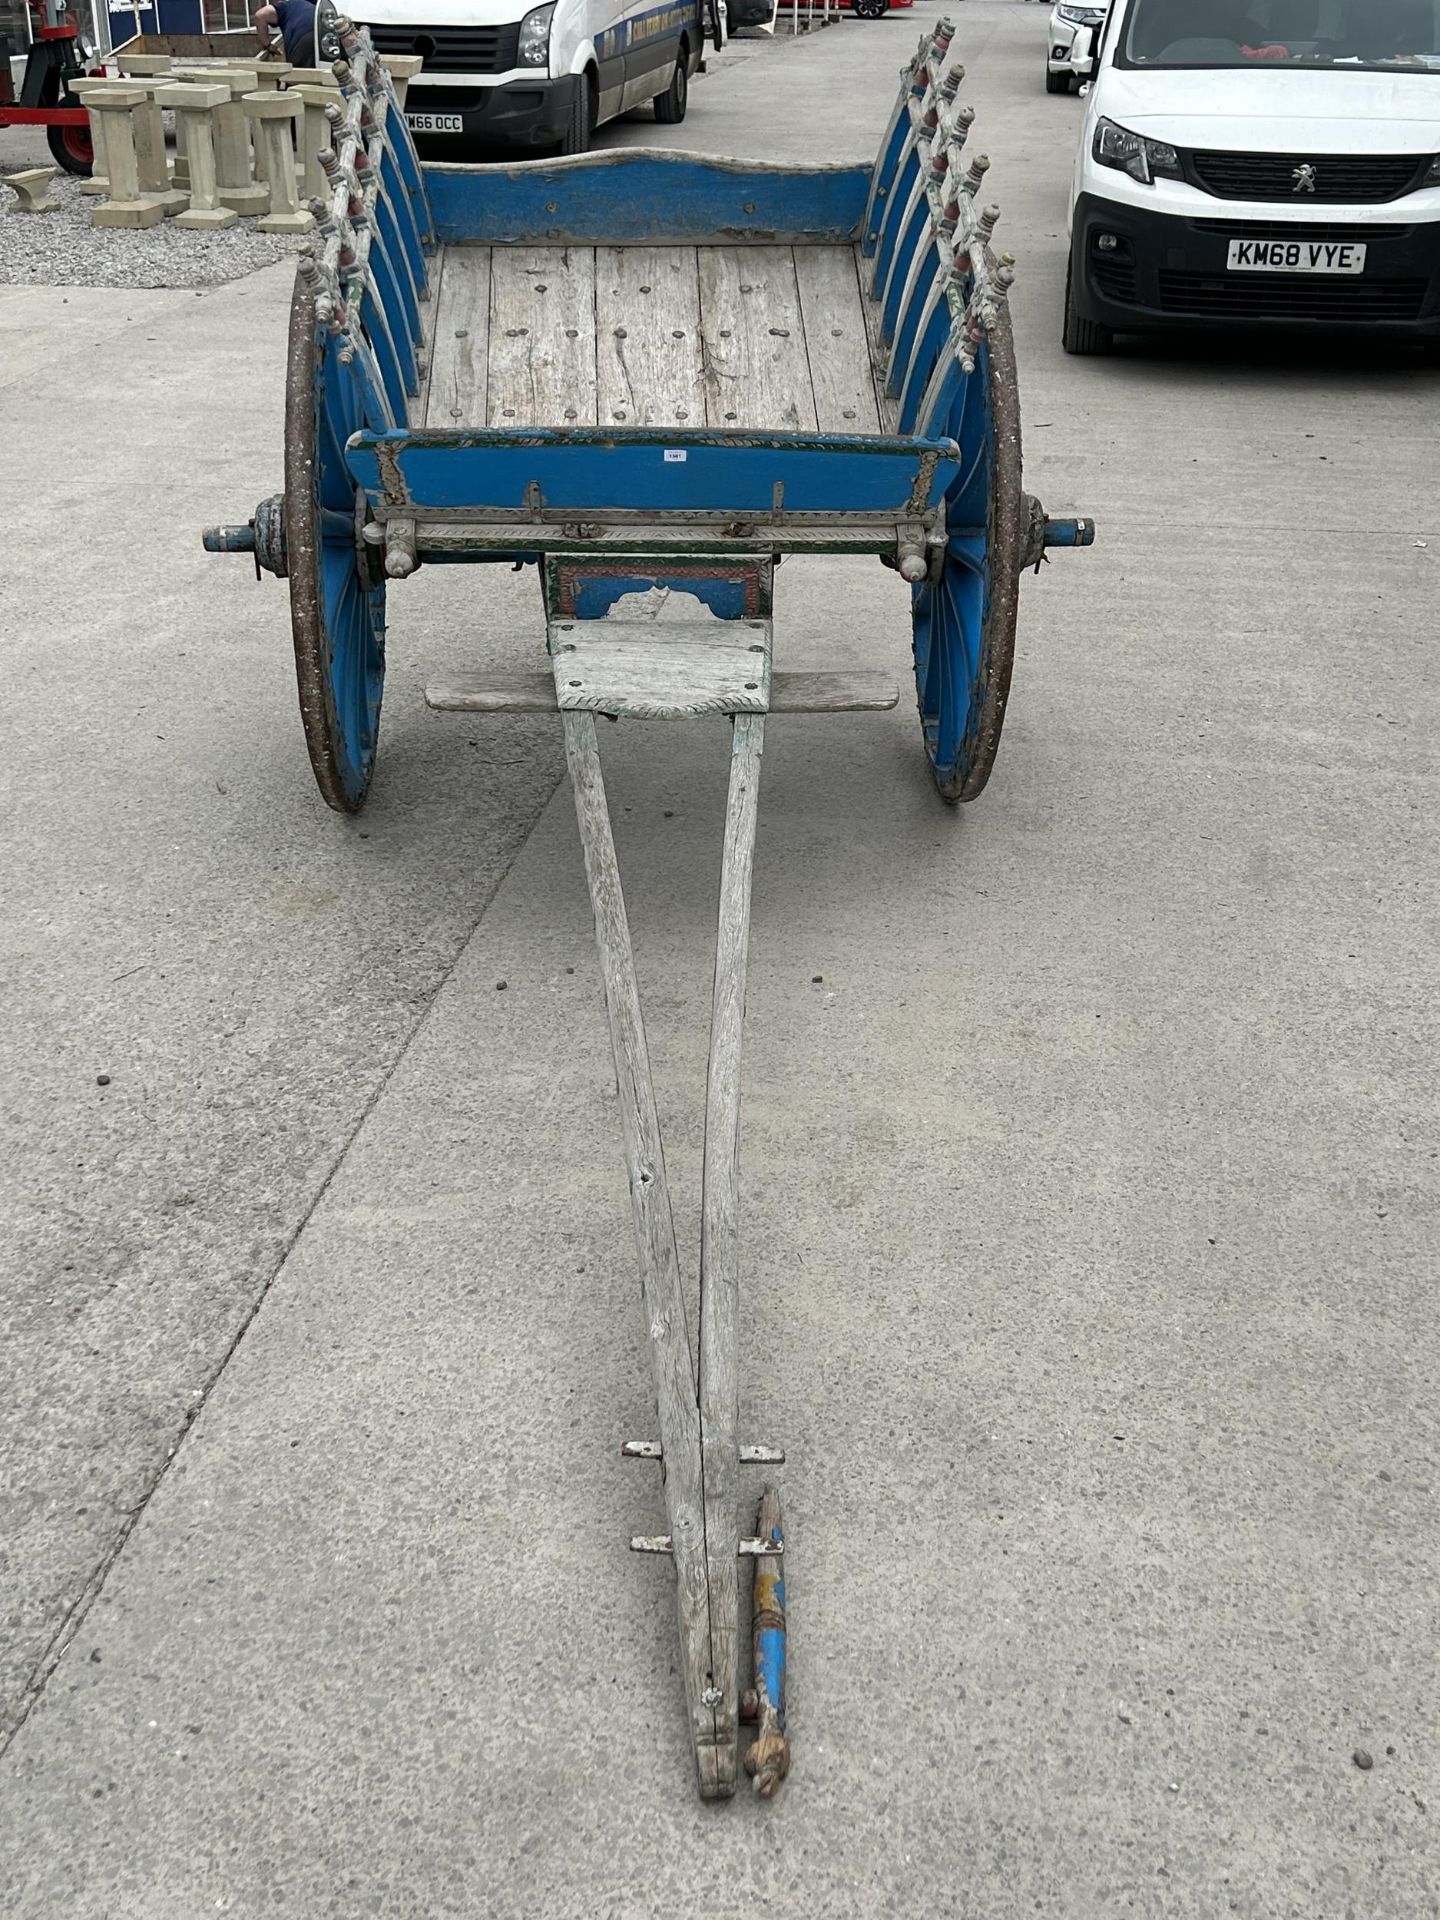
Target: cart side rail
point(647, 196)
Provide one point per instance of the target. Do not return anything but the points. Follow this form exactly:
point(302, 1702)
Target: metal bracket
point(749, 1456)
point(751, 1549)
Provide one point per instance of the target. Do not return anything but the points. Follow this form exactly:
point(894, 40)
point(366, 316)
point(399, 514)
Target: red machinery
point(55, 62)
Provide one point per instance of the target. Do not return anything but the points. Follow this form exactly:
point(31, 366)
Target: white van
point(1259, 163)
point(1070, 45)
point(500, 74)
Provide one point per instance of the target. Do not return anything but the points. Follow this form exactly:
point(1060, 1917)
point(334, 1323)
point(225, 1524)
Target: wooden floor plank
point(874, 334)
point(650, 370)
point(542, 337)
point(455, 393)
point(756, 370)
point(836, 340)
point(429, 314)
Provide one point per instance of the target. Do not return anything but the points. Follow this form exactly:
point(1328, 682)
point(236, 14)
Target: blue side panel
point(893, 216)
point(887, 167)
point(396, 374)
point(915, 233)
point(922, 364)
point(546, 473)
point(397, 236)
point(629, 195)
point(408, 171)
point(907, 317)
point(398, 347)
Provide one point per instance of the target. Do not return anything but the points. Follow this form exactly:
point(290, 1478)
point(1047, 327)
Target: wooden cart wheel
point(337, 610)
point(964, 623)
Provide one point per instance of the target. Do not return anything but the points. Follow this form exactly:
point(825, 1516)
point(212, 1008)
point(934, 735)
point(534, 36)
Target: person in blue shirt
point(296, 21)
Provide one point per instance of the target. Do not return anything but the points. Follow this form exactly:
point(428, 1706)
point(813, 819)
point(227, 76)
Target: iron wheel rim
point(338, 623)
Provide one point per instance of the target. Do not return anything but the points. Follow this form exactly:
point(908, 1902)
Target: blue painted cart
point(653, 376)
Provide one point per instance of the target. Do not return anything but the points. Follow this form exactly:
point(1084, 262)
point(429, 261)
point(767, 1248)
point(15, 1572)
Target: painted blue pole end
point(229, 539)
point(1069, 533)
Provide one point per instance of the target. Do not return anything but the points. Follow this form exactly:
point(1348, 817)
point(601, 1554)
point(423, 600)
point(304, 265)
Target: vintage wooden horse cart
point(642, 370)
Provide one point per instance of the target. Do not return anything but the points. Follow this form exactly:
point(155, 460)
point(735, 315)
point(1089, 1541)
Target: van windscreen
point(1393, 35)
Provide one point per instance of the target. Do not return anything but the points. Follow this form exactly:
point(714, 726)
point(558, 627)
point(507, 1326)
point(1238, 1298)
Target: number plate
point(446, 123)
point(1296, 256)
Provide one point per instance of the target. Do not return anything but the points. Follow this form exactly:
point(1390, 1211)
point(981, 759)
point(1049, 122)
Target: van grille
point(1346, 178)
point(1283, 297)
point(1114, 278)
point(1325, 232)
point(453, 49)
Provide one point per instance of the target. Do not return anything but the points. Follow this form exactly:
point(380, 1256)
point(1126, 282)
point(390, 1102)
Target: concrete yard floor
point(1089, 1176)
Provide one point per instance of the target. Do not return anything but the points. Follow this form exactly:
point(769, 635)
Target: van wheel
point(1083, 336)
point(582, 118)
point(1056, 82)
point(670, 106)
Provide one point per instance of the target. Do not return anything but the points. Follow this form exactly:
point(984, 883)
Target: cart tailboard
point(564, 475)
point(633, 196)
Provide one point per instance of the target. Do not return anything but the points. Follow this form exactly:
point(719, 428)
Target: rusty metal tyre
point(964, 622)
point(337, 609)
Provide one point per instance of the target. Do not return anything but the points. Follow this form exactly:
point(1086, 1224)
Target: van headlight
point(1432, 175)
point(1080, 16)
point(1132, 153)
point(535, 36)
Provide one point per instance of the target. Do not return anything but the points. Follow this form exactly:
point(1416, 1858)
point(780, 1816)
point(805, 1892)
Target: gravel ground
point(63, 249)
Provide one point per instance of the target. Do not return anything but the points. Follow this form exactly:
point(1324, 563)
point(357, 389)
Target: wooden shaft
point(661, 1296)
point(720, 1224)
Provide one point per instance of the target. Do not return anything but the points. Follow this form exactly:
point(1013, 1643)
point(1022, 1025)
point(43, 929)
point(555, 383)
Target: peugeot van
point(1259, 163)
point(499, 74)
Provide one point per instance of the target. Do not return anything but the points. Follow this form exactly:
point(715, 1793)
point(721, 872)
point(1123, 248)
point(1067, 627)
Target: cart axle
point(264, 536)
